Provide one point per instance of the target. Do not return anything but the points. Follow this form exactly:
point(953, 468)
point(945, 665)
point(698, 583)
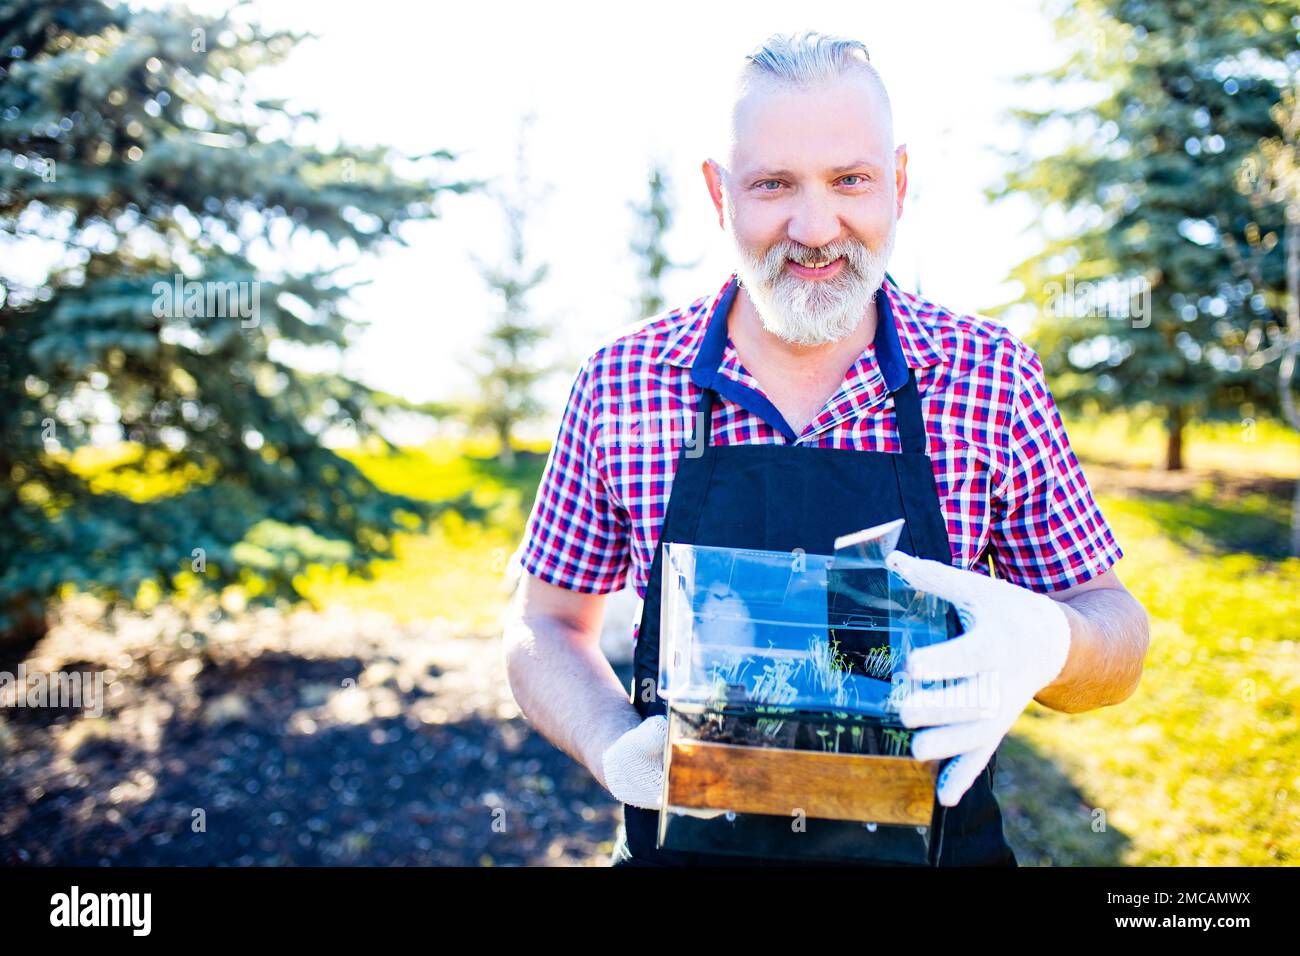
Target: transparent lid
point(791, 630)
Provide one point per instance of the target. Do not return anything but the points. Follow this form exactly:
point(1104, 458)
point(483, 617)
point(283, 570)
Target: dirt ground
point(270, 739)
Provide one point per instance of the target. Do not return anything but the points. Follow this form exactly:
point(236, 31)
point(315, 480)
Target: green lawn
point(455, 571)
point(1266, 448)
point(1201, 765)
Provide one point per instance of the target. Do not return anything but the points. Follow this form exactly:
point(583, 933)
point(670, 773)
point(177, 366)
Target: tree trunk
point(1174, 421)
point(507, 452)
point(1295, 521)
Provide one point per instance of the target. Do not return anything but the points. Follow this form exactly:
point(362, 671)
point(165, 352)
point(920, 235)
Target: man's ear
point(713, 179)
point(900, 177)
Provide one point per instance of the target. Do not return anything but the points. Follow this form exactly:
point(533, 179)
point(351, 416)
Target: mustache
point(856, 254)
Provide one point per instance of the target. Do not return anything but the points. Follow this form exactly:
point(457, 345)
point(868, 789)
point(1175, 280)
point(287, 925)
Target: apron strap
point(704, 418)
point(692, 486)
point(907, 413)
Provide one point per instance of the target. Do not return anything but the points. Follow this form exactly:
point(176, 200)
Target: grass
point(1201, 766)
point(1264, 448)
point(454, 572)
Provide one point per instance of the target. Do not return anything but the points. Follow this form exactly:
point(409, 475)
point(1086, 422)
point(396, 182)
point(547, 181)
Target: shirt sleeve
point(577, 536)
point(1048, 532)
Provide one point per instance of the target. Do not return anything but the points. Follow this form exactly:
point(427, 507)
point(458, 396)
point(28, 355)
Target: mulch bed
point(271, 739)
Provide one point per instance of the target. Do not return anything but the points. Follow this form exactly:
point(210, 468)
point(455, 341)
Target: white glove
point(1015, 644)
point(634, 764)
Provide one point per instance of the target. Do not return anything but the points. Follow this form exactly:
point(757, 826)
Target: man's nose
point(815, 222)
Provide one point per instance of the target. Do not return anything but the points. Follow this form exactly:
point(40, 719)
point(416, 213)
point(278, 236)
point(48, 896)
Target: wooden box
point(825, 786)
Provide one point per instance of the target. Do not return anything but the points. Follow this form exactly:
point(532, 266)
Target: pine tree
point(1268, 178)
point(1143, 309)
point(509, 369)
point(162, 197)
point(654, 220)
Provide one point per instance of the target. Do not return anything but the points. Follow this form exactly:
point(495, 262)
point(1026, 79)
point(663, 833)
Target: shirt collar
point(903, 339)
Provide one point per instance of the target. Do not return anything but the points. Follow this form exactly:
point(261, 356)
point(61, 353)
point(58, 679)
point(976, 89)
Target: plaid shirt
point(1007, 479)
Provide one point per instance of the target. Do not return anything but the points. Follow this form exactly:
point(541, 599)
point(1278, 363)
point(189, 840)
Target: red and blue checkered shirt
point(1008, 482)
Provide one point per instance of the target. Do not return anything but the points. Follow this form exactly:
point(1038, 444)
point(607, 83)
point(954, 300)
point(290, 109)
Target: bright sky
point(613, 86)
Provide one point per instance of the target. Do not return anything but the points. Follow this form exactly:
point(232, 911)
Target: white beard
point(813, 311)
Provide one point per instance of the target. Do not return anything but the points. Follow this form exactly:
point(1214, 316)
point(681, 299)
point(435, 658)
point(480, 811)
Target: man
point(827, 400)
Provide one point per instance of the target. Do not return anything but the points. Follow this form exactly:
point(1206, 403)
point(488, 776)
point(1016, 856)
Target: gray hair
point(808, 59)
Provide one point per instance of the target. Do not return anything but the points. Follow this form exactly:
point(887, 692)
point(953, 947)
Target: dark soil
point(273, 739)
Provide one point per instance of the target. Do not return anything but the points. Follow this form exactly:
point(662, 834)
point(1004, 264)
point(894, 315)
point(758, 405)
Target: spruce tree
point(1272, 177)
point(509, 367)
point(162, 203)
point(1142, 307)
point(653, 221)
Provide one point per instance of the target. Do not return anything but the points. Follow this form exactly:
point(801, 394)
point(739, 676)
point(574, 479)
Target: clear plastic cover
point(792, 630)
point(798, 652)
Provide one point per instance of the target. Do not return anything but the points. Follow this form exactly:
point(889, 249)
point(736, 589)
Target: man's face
point(812, 199)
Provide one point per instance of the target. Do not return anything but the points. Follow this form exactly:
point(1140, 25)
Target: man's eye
point(852, 176)
point(768, 182)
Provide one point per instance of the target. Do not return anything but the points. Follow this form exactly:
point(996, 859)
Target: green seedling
point(896, 741)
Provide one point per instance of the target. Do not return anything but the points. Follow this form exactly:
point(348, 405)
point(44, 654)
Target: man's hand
point(1016, 643)
point(634, 764)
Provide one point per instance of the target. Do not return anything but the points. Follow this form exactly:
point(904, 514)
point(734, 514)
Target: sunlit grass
point(455, 571)
point(1263, 448)
point(132, 470)
point(1202, 764)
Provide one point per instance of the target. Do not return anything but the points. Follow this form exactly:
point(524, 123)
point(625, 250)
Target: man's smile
point(824, 270)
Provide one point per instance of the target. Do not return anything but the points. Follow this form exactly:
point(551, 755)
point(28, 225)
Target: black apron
point(783, 497)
